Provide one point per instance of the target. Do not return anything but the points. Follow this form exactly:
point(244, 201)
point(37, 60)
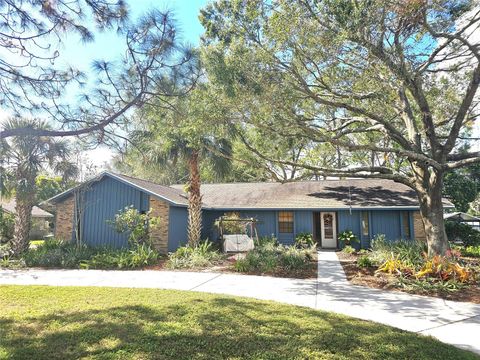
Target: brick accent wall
point(418, 228)
point(64, 219)
point(159, 234)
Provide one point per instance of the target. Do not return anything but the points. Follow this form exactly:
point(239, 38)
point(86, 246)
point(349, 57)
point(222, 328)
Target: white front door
point(329, 229)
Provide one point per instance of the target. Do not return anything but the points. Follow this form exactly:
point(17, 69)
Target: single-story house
point(323, 208)
point(41, 219)
point(461, 217)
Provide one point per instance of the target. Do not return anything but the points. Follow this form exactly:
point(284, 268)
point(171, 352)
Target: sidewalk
point(451, 322)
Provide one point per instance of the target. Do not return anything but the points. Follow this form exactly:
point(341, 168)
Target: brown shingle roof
point(168, 193)
point(9, 206)
point(332, 194)
point(357, 193)
point(176, 196)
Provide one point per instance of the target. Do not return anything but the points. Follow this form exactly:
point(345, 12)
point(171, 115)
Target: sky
point(108, 46)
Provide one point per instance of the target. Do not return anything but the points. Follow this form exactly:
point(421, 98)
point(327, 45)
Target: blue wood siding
point(386, 222)
point(410, 225)
point(350, 221)
point(380, 222)
point(303, 222)
point(103, 200)
point(267, 224)
point(177, 228)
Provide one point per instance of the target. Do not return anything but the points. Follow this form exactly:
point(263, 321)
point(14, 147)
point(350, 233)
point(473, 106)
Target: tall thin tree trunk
point(429, 186)
point(24, 200)
point(194, 201)
point(23, 216)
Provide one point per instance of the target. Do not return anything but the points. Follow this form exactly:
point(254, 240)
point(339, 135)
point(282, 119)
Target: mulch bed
point(159, 265)
point(367, 277)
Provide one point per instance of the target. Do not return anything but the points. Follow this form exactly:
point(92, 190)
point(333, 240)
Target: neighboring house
point(41, 219)
point(324, 208)
point(460, 217)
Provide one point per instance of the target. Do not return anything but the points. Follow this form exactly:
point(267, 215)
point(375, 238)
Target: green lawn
point(38, 322)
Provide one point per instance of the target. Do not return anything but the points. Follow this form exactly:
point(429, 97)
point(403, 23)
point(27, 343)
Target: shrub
point(265, 240)
point(54, 253)
point(453, 254)
point(408, 251)
point(293, 258)
point(141, 255)
point(364, 261)
point(191, 257)
point(304, 240)
point(444, 269)
point(7, 224)
point(428, 285)
point(103, 260)
point(243, 265)
point(395, 266)
point(5, 250)
point(232, 223)
point(436, 268)
point(9, 263)
point(347, 237)
point(472, 251)
point(408, 261)
point(135, 223)
point(348, 249)
point(463, 232)
point(258, 261)
point(271, 258)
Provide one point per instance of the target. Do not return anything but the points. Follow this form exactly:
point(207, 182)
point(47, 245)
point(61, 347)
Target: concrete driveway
point(451, 322)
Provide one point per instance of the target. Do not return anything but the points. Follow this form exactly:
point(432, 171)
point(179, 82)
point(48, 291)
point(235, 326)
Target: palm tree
point(23, 157)
point(217, 152)
point(168, 150)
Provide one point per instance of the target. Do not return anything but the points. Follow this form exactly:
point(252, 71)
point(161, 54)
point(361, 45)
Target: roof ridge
point(287, 182)
point(141, 179)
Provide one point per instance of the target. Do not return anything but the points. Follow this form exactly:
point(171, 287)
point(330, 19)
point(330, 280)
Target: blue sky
point(108, 46)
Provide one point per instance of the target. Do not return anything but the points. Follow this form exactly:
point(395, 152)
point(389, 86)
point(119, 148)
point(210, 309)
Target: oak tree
point(394, 79)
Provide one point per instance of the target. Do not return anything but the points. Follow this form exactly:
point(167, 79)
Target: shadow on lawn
point(209, 328)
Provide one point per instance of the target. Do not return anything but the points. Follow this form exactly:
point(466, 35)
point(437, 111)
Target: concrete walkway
point(451, 322)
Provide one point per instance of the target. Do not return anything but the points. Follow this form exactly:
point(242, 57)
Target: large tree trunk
point(194, 201)
point(23, 215)
point(429, 186)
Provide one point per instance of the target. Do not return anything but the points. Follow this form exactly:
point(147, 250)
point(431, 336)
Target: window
point(365, 224)
point(285, 222)
point(406, 224)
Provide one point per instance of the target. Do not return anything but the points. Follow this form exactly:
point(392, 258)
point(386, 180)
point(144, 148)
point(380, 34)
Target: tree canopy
point(393, 84)
point(155, 65)
point(31, 34)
